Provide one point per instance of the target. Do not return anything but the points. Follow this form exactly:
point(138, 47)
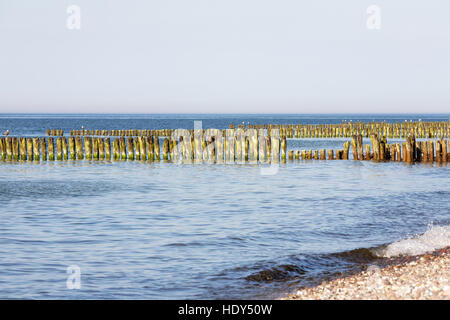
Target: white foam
point(435, 238)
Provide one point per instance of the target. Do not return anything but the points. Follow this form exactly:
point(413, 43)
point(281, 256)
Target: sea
point(96, 229)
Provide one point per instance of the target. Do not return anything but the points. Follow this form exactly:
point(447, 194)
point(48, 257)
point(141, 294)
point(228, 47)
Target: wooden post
point(438, 151)
point(283, 148)
point(116, 149)
point(166, 149)
point(291, 155)
point(355, 147)
point(3, 148)
point(88, 147)
point(198, 135)
point(72, 150)
point(430, 151)
point(367, 155)
point(323, 153)
point(137, 146)
point(9, 148)
point(23, 148)
point(239, 137)
point(346, 150)
point(130, 146)
point(330, 154)
point(51, 149)
point(44, 149)
point(424, 151)
point(261, 146)
point(219, 145)
point(123, 148)
point(156, 148)
point(101, 148)
point(150, 148)
point(65, 148)
point(15, 148)
point(253, 144)
point(143, 149)
point(36, 149)
point(275, 145)
point(444, 150)
point(59, 155)
point(359, 140)
point(316, 154)
point(79, 147)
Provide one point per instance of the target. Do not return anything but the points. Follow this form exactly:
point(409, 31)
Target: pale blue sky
point(225, 56)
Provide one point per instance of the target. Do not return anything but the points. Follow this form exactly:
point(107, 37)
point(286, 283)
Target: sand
point(424, 277)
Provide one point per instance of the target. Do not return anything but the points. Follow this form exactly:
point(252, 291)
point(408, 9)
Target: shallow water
point(141, 230)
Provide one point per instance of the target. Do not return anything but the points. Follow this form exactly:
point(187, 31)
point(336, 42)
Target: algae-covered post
point(123, 148)
point(79, 148)
point(51, 149)
point(130, 146)
point(36, 150)
point(44, 149)
point(23, 148)
point(72, 150)
point(88, 147)
point(156, 148)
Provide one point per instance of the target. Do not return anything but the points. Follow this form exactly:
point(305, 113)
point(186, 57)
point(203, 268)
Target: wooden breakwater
point(399, 130)
point(420, 129)
point(215, 145)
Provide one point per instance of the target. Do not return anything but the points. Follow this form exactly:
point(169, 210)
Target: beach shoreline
point(421, 277)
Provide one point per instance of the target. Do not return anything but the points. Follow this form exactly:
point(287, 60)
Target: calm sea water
point(141, 230)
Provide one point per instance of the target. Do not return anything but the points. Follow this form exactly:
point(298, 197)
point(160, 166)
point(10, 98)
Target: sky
point(225, 56)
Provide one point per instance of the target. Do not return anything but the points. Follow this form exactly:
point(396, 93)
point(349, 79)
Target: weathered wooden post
point(59, 155)
point(36, 149)
point(219, 145)
point(346, 150)
point(354, 147)
point(44, 149)
point(261, 146)
point(65, 150)
point(9, 155)
point(430, 151)
point(166, 149)
point(283, 148)
point(130, 145)
point(438, 151)
point(79, 148)
point(143, 149)
point(291, 155)
point(150, 148)
point(239, 137)
point(23, 148)
point(3, 148)
point(72, 150)
point(367, 155)
point(15, 148)
point(116, 149)
point(51, 149)
point(323, 154)
point(101, 148)
point(275, 144)
point(137, 148)
point(330, 154)
point(444, 150)
point(123, 148)
point(88, 147)
point(156, 148)
point(198, 136)
point(359, 140)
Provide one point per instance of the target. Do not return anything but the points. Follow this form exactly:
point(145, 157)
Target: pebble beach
point(422, 277)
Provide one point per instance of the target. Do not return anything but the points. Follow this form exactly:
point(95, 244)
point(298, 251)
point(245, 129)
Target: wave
point(436, 237)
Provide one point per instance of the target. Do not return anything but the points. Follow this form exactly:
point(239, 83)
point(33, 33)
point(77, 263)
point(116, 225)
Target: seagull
point(6, 133)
